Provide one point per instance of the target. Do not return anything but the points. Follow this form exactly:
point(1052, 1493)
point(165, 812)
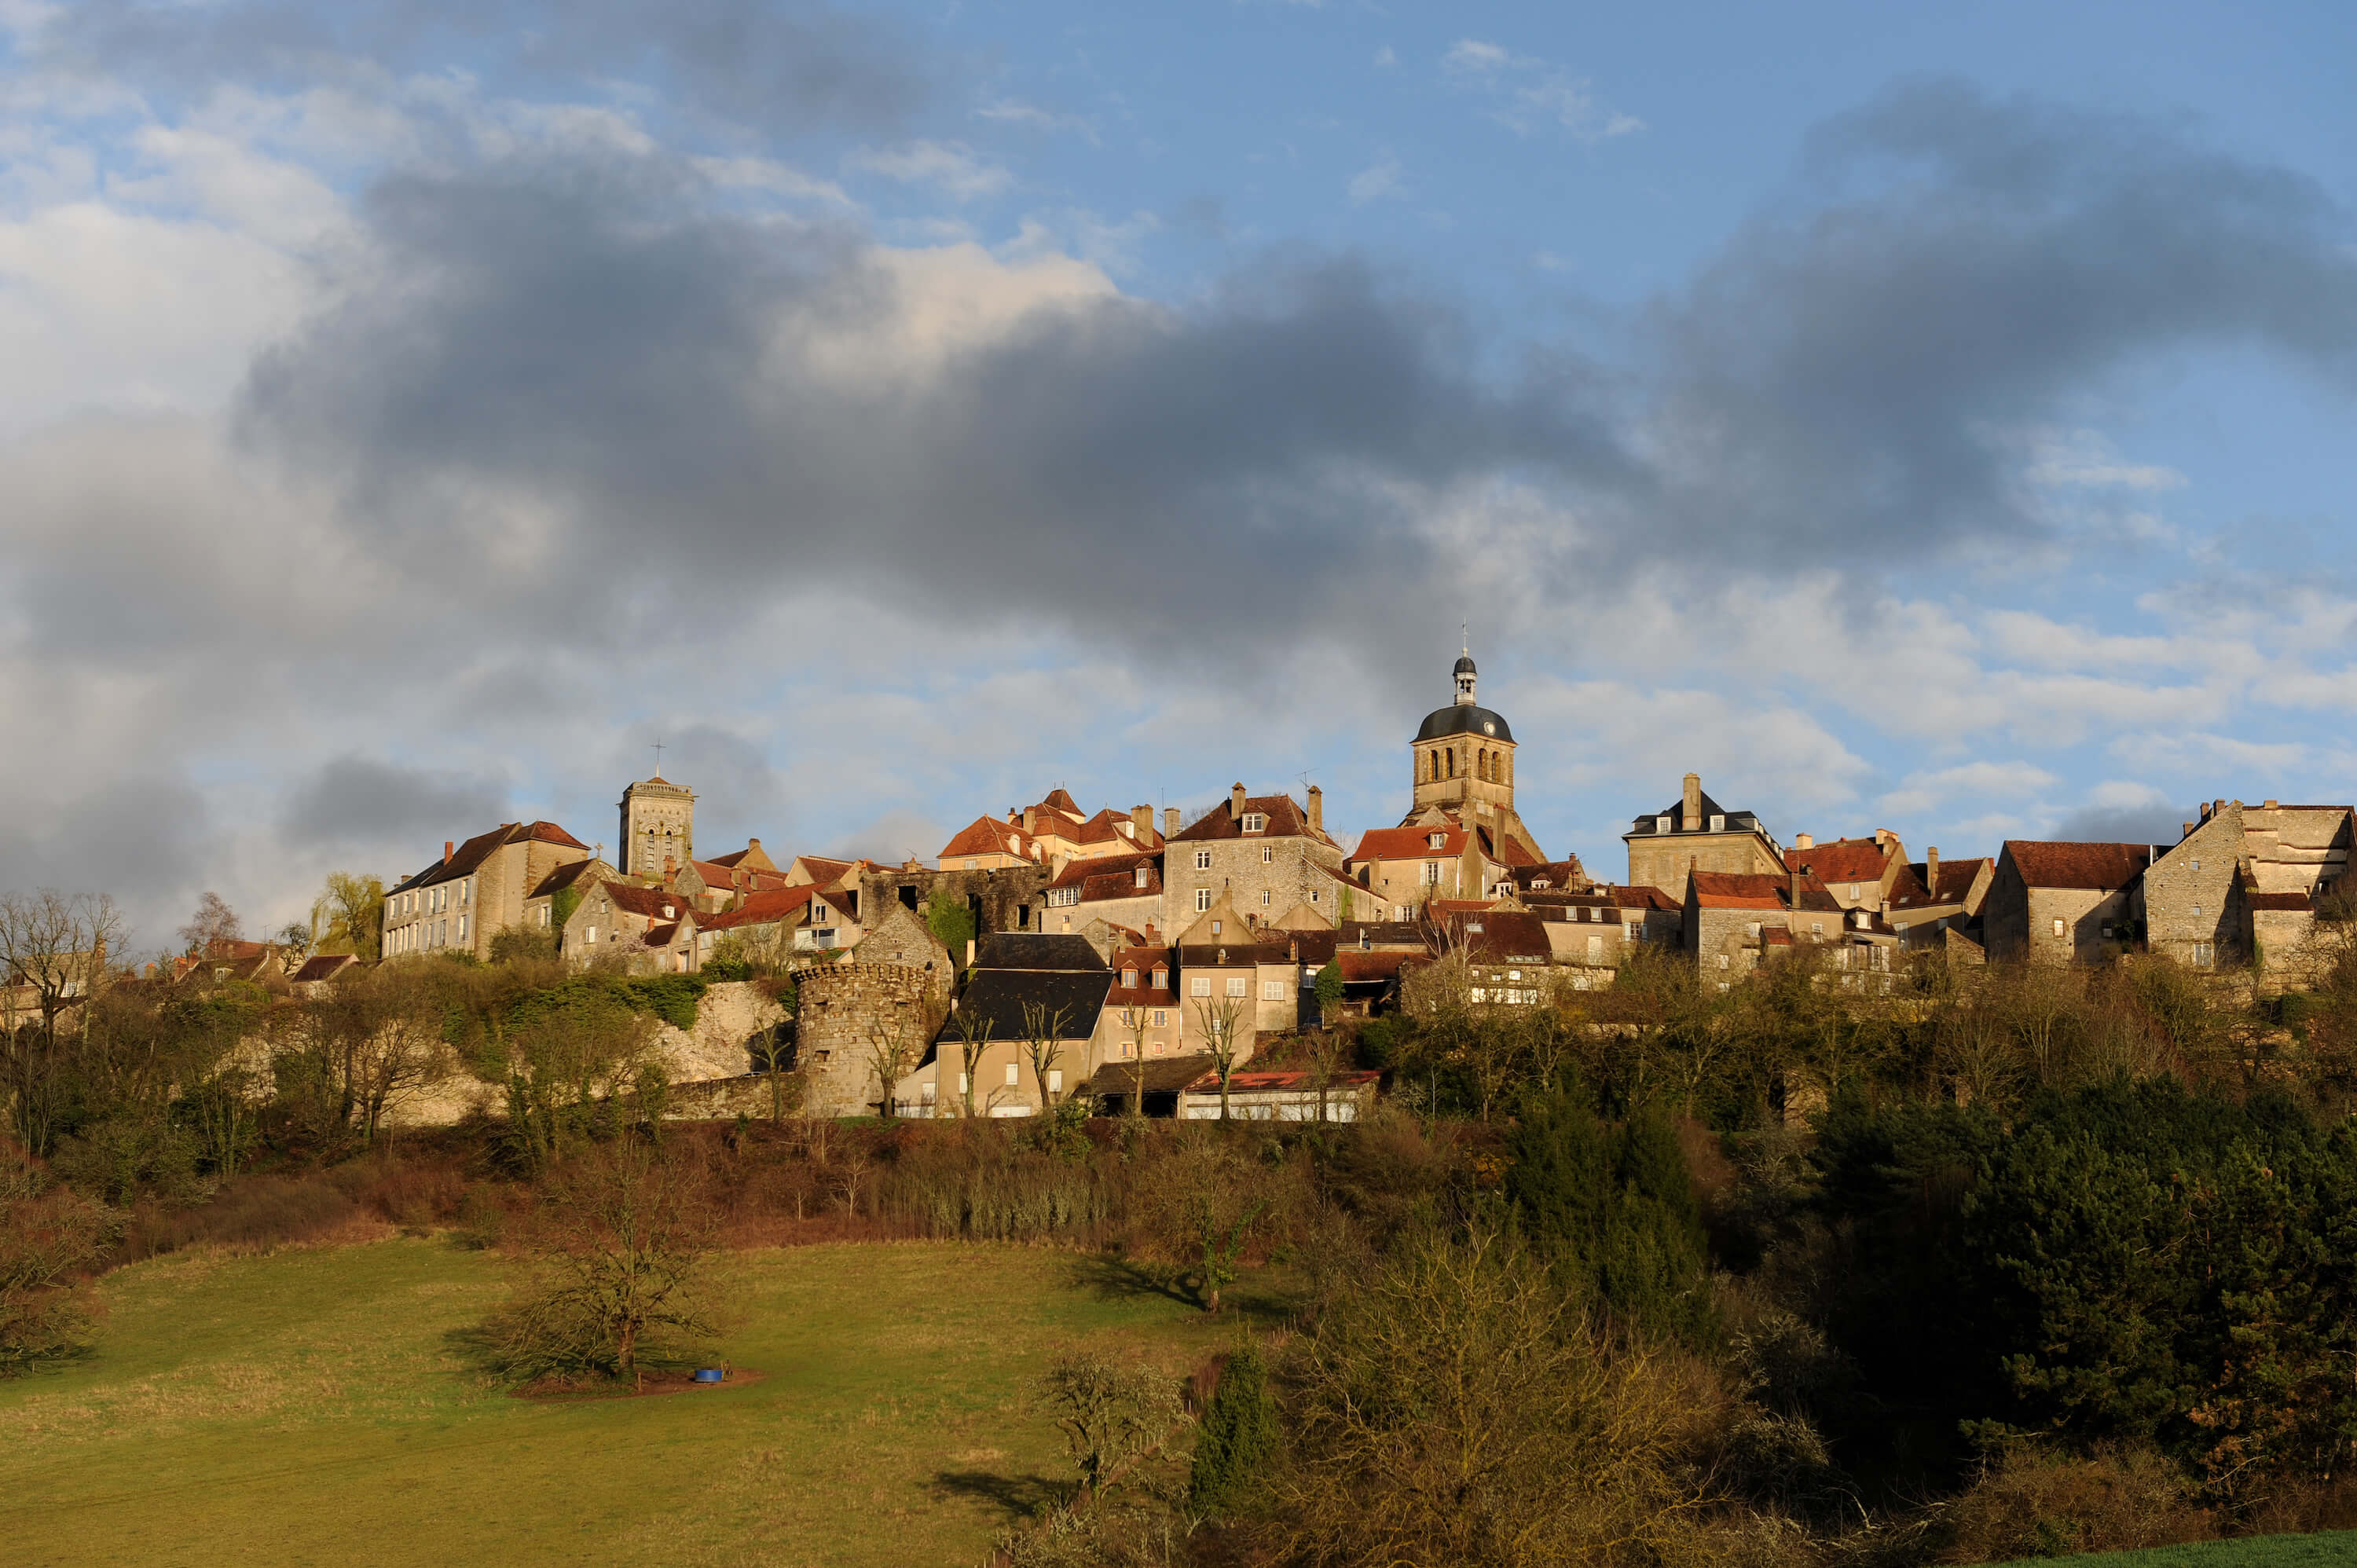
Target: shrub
point(2029, 1504)
point(49, 1235)
point(1240, 1436)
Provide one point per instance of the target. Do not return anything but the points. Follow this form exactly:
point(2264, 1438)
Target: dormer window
point(1129, 980)
point(670, 913)
point(1661, 824)
point(1717, 824)
point(1255, 822)
point(1436, 840)
point(1161, 979)
point(1141, 876)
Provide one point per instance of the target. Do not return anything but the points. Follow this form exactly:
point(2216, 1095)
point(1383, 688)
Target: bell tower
point(1464, 760)
point(658, 828)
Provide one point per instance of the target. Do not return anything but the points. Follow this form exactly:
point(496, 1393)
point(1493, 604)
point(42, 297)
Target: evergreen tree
point(1239, 1439)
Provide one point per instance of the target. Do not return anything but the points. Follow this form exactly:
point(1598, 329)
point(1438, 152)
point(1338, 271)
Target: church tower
point(1464, 761)
point(658, 828)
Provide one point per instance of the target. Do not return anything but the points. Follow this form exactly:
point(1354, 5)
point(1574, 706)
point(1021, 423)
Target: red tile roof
point(762, 908)
point(648, 903)
point(2104, 867)
point(1285, 820)
point(1738, 889)
point(989, 835)
point(1266, 1082)
point(1841, 859)
point(1407, 843)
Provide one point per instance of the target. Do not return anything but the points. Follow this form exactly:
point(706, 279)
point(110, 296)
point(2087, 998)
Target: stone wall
point(1009, 899)
point(2193, 911)
point(844, 1010)
point(1263, 876)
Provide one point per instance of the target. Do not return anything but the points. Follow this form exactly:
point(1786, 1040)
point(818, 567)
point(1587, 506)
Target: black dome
point(1464, 718)
point(1465, 664)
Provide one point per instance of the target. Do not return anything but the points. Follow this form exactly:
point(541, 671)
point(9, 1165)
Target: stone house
point(2061, 902)
point(1734, 921)
point(1229, 977)
point(1049, 833)
point(1118, 889)
point(1931, 900)
point(1859, 873)
point(1262, 853)
point(555, 897)
point(1141, 1009)
point(1009, 899)
point(1018, 980)
point(1404, 866)
point(764, 925)
point(649, 929)
point(2241, 886)
point(2194, 895)
point(476, 890)
point(1696, 833)
point(719, 884)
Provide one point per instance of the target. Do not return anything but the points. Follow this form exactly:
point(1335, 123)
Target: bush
point(1239, 1441)
point(2052, 1505)
point(49, 1236)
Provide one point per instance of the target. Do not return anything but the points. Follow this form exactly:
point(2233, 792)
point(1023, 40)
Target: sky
point(1936, 418)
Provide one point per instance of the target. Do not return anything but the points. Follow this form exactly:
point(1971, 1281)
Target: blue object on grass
point(709, 1374)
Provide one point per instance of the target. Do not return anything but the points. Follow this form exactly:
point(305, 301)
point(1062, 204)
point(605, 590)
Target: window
point(1272, 991)
point(2058, 928)
point(2204, 954)
point(1722, 961)
point(1853, 892)
point(1717, 824)
point(820, 1057)
point(1012, 1077)
point(590, 934)
point(970, 862)
point(1203, 900)
point(1203, 860)
point(466, 892)
point(1433, 840)
point(1061, 896)
point(1268, 854)
point(1200, 985)
point(1816, 927)
point(1129, 980)
point(1313, 894)
point(1161, 1020)
point(1237, 986)
point(1255, 822)
point(462, 928)
point(961, 1084)
point(1215, 927)
point(1264, 897)
point(1432, 873)
point(1155, 1047)
point(1142, 872)
point(543, 914)
point(1661, 824)
point(818, 912)
point(1055, 1080)
point(2197, 865)
point(1161, 978)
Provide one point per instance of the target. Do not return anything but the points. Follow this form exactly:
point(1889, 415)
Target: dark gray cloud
point(356, 802)
point(776, 64)
point(2126, 825)
point(140, 836)
point(1954, 266)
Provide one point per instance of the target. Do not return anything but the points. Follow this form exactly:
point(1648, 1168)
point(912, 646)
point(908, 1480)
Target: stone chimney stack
point(1236, 801)
point(1691, 807)
point(1793, 902)
point(1141, 824)
point(1932, 871)
point(1804, 840)
point(1170, 821)
point(1317, 809)
point(1031, 817)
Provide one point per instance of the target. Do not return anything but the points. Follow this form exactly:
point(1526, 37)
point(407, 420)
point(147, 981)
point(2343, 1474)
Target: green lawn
point(308, 1407)
point(2333, 1548)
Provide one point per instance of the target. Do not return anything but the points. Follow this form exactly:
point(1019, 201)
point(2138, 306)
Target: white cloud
point(952, 167)
point(1010, 111)
point(2085, 459)
point(772, 178)
point(1528, 93)
point(1923, 791)
point(1378, 180)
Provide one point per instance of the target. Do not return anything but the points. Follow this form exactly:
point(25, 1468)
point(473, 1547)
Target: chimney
point(2188, 828)
point(1880, 836)
point(1795, 902)
point(1804, 840)
point(1141, 823)
point(1690, 808)
point(1030, 818)
point(2266, 805)
point(1932, 870)
point(969, 953)
point(1317, 809)
point(449, 849)
point(1170, 821)
point(1235, 803)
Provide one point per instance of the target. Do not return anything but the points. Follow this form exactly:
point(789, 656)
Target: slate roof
point(1558, 874)
point(469, 857)
point(1002, 996)
point(2103, 867)
point(1502, 937)
point(1465, 718)
point(323, 966)
point(1037, 950)
point(1956, 878)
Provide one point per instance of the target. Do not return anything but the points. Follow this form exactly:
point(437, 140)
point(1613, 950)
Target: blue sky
point(1933, 418)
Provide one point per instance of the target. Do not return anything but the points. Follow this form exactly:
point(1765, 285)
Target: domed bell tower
point(1464, 753)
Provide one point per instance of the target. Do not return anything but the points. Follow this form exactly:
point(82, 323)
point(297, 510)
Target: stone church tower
point(1464, 757)
point(658, 827)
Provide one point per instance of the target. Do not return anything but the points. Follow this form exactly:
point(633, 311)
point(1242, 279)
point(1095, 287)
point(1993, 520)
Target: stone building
point(1116, 889)
point(553, 899)
point(2241, 887)
point(1018, 980)
point(476, 890)
point(1263, 854)
point(1696, 833)
point(2193, 896)
point(1933, 902)
point(1404, 867)
point(1048, 832)
point(1012, 898)
point(1463, 773)
point(658, 828)
point(2061, 902)
point(646, 929)
point(859, 1010)
point(1859, 873)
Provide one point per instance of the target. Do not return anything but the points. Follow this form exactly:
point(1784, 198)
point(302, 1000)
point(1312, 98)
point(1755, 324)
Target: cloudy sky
point(1935, 417)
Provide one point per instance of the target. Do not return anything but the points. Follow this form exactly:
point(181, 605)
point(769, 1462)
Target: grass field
point(308, 1406)
point(2333, 1548)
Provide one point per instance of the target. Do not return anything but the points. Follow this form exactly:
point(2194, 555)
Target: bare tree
point(1044, 1029)
point(897, 1043)
point(53, 955)
point(1222, 1020)
point(973, 1029)
point(213, 922)
point(1132, 1021)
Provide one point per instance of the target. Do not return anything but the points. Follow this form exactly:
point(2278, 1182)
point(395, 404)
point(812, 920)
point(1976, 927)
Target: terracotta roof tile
point(1408, 843)
point(2101, 866)
point(1842, 860)
point(1285, 820)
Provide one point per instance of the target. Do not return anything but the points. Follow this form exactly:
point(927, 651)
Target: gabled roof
point(2103, 867)
point(989, 835)
point(1408, 843)
point(1503, 936)
point(469, 857)
point(1841, 859)
point(1956, 879)
point(1285, 820)
point(1112, 826)
point(1080, 872)
point(648, 903)
point(323, 966)
point(1037, 950)
point(571, 871)
point(1002, 996)
point(762, 908)
point(1758, 890)
point(1363, 968)
point(1381, 934)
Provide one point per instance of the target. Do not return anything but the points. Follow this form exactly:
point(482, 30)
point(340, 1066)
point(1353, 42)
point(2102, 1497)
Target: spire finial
point(659, 751)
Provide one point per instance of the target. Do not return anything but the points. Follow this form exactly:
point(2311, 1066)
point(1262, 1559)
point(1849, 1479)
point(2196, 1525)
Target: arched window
point(1452, 762)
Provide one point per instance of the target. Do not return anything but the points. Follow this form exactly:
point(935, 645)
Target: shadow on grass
point(1126, 1279)
point(1017, 1497)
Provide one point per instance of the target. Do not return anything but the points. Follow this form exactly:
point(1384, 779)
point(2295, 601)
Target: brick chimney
point(1317, 809)
point(449, 849)
point(1170, 821)
point(1235, 802)
point(1690, 808)
point(1804, 840)
point(1932, 870)
point(1141, 823)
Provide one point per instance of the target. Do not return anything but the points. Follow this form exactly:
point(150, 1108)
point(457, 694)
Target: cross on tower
point(659, 751)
